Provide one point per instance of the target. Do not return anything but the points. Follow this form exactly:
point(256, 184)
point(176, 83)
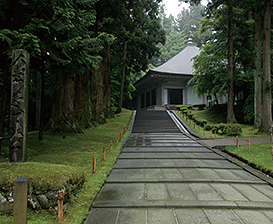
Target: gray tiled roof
point(180, 63)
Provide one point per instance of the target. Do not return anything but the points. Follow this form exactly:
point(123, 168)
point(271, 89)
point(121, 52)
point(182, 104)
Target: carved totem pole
point(19, 106)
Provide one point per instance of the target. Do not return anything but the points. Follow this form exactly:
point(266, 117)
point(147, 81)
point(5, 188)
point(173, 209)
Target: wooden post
point(190, 122)
point(215, 133)
point(237, 141)
point(210, 134)
point(60, 198)
point(248, 144)
point(111, 144)
point(20, 201)
point(19, 106)
point(123, 131)
point(186, 119)
point(117, 139)
point(104, 153)
point(94, 164)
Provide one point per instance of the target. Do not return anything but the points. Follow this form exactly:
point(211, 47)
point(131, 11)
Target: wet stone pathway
point(163, 176)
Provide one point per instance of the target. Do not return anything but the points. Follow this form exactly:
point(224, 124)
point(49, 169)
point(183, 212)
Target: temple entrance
point(175, 96)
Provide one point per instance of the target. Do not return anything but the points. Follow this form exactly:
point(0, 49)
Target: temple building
point(167, 85)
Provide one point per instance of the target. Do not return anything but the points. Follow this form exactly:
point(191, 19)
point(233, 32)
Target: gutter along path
point(164, 176)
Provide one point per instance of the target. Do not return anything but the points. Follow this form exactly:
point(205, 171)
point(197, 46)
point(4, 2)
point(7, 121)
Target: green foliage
point(232, 130)
point(248, 109)
point(178, 32)
point(224, 129)
point(212, 78)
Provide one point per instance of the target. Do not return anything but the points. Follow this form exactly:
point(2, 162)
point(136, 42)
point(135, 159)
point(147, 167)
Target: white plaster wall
point(192, 97)
point(165, 96)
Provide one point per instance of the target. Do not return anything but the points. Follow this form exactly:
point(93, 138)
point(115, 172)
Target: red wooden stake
point(117, 139)
point(248, 144)
point(60, 206)
point(94, 164)
point(104, 153)
point(111, 144)
point(237, 141)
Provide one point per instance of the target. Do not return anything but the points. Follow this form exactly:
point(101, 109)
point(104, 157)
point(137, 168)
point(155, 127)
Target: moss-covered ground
point(60, 156)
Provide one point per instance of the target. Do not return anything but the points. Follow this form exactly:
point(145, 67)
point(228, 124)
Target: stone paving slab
point(166, 150)
point(183, 175)
point(181, 216)
point(166, 144)
point(179, 192)
point(173, 163)
point(165, 155)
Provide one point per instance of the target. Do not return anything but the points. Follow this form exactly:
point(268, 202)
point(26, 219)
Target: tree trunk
point(257, 71)
point(42, 101)
point(122, 79)
point(63, 112)
point(5, 99)
point(101, 88)
point(230, 103)
point(38, 99)
point(83, 100)
point(266, 98)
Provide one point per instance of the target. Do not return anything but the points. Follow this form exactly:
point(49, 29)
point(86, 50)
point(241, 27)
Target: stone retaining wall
point(44, 200)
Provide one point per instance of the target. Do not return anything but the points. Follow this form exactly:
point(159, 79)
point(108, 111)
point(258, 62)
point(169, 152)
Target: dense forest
point(86, 55)
point(82, 56)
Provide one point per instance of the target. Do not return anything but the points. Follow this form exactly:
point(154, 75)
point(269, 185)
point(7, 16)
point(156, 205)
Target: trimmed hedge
point(227, 129)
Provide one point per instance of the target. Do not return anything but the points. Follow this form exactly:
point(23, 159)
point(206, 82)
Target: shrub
point(200, 122)
point(232, 129)
point(195, 119)
point(184, 110)
point(189, 114)
point(208, 127)
point(220, 128)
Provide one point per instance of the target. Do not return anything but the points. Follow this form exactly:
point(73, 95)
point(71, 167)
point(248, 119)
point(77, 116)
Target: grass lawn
point(259, 156)
point(75, 151)
point(216, 118)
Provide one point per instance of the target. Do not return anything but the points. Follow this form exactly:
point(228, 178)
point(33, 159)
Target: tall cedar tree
point(136, 25)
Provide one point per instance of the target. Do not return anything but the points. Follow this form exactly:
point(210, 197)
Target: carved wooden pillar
point(19, 106)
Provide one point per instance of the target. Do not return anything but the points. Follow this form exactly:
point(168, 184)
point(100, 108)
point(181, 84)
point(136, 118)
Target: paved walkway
point(163, 176)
